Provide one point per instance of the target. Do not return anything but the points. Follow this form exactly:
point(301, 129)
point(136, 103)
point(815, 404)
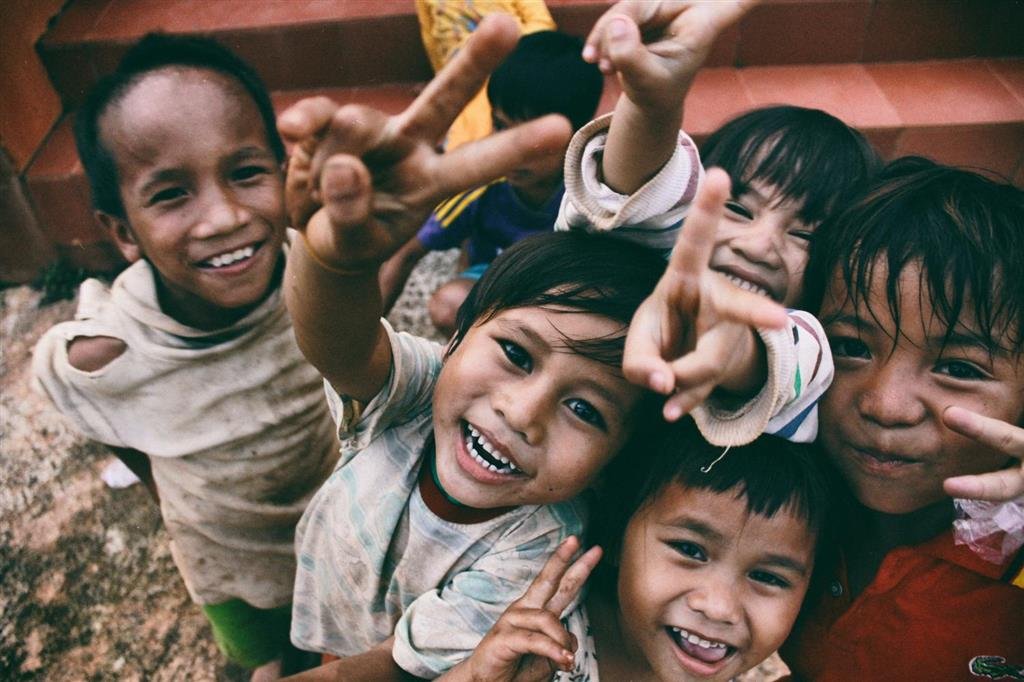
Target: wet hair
point(545, 74)
point(153, 52)
point(966, 230)
point(576, 271)
point(805, 155)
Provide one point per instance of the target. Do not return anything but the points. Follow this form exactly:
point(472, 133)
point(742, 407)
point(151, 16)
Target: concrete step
point(348, 43)
point(965, 112)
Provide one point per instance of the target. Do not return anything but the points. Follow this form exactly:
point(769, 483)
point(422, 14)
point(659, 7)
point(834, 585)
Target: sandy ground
point(88, 590)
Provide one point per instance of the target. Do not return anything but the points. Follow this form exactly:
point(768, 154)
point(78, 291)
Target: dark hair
point(770, 475)
point(589, 273)
point(545, 74)
point(805, 155)
point(966, 231)
point(153, 52)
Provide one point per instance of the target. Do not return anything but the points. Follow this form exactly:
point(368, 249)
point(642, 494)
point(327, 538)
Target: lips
point(699, 654)
point(231, 260)
point(484, 458)
point(882, 461)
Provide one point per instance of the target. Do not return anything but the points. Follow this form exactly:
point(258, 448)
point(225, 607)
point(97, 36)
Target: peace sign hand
point(529, 642)
point(360, 182)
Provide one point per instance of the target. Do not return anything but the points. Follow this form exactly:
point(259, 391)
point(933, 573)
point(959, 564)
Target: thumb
point(625, 48)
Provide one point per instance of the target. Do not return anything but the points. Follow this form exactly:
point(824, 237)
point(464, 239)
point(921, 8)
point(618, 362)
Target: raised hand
point(528, 642)
point(656, 47)
point(695, 333)
point(361, 182)
point(999, 486)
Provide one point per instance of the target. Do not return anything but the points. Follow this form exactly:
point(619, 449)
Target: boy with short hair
point(922, 299)
point(543, 75)
point(188, 360)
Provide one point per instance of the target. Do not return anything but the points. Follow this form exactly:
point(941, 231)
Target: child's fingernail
point(661, 382)
point(589, 52)
point(672, 412)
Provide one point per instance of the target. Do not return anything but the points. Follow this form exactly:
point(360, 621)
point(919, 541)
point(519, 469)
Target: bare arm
point(361, 183)
point(656, 72)
point(395, 273)
point(376, 665)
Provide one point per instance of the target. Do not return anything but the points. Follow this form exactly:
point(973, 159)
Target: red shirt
point(934, 611)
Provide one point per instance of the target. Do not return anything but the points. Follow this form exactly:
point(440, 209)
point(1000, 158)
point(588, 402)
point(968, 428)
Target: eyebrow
point(159, 177)
point(961, 339)
point(698, 527)
point(783, 561)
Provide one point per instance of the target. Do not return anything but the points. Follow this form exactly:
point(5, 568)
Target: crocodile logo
point(995, 668)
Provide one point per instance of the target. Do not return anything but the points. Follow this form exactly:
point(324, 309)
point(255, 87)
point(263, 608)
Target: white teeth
point(476, 439)
point(229, 258)
point(699, 641)
point(745, 285)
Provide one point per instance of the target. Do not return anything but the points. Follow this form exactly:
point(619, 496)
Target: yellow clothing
point(445, 25)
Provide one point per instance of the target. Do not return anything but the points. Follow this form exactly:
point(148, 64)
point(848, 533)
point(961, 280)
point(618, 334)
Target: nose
point(761, 241)
point(524, 403)
point(886, 396)
point(717, 599)
point(221, 213)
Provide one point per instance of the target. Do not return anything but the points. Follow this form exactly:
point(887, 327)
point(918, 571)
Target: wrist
point(323, 263)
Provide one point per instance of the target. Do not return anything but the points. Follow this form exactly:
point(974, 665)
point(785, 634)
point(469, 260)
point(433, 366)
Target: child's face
point(762, 244)
point(881, 420)
point(202, 192)
point(519, 418)
point(541, 174)
point(706, 589)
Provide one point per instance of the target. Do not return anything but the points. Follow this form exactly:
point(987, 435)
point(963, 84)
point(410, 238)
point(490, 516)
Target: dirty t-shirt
point(374, 560)
point(233, 421)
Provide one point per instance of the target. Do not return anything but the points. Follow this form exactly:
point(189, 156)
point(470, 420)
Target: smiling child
point(187, 363)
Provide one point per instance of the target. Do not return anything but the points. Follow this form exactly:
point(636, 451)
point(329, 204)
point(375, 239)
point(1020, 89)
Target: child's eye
point(738, 209)
point(960, 369)
point(849, 347)
point(769, 578)
point(805, 235)
point(165, 195)
point(587, 412)
point(516, 355)
point(248, 172)
point(690, 550)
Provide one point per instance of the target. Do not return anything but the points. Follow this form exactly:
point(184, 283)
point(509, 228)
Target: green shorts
point(247, 635)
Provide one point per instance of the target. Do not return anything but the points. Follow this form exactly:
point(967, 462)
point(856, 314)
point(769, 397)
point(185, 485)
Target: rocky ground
point(88, 590)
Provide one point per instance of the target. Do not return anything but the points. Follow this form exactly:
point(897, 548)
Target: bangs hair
point(153, 52)
point(964, 229)
point(804, 155)
point(771, 475)
point(574, 272)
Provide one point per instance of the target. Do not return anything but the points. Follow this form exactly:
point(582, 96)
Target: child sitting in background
point(707, 562)
point(445, 26)
point(188, 361)
point(544, 75)
point(923, 302)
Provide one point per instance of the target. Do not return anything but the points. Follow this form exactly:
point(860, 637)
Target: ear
point(120, 232)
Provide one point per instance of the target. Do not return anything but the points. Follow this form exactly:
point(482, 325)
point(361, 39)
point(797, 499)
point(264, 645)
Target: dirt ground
point(88, 590)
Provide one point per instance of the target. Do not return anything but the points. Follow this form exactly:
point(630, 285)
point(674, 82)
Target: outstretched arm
point(695, 333)
point(360, 184)
point(655, 49)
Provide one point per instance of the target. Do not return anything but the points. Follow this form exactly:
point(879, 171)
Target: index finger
point(572, 581)
point(994, 433)
point(546, 583)
point(692, 252)
point(458, 82)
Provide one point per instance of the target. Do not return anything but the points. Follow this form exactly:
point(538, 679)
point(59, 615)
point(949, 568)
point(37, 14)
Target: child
point(924, 306)
point(707, 564)
point(188, 359)
point(543, 75)
point(635, 172)
point(459, 468)
point(445, 26)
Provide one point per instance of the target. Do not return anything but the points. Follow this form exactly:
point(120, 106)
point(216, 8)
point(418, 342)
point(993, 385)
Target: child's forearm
point(640, 142)
point(376, 665)
point(336, 318)
point(396, 271)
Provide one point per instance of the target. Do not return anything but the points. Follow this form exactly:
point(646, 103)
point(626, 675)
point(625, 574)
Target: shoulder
point(92, 353)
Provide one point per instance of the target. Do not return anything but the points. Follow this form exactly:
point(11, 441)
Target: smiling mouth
point(706, 651)
point(230, 258)
point(744, 284)
point(485, 453)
